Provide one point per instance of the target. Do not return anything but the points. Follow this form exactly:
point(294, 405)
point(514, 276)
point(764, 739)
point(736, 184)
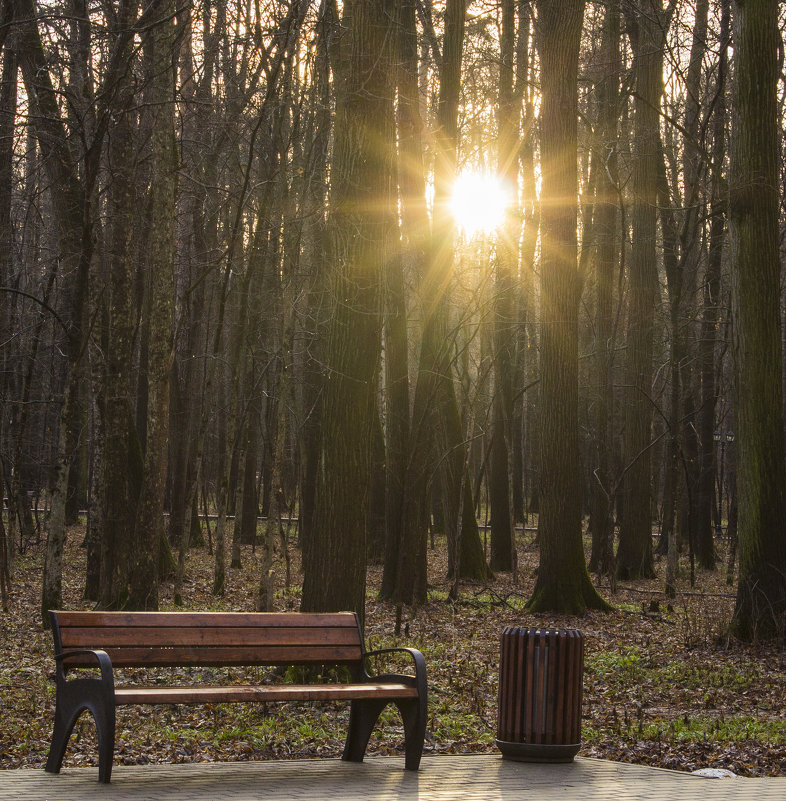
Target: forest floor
point(663, 683)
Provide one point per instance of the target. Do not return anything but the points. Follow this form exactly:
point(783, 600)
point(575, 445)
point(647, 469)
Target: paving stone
point(441, 778)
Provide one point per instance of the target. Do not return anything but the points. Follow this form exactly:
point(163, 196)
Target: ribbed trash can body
point(540, 691)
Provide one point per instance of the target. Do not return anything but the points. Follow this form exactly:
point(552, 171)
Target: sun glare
point(479, 202)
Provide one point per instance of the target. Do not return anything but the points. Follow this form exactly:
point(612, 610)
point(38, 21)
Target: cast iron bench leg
point(362, 717)
point(64, 724)
point(413, 713)
point(81, 695)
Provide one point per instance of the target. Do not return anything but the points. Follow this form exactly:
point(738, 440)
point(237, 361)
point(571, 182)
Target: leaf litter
point(663, 683)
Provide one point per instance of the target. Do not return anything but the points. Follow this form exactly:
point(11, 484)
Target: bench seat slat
point(106, 638)
point(278, 692)
point(218, 656)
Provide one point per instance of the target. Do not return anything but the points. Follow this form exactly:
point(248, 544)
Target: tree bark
point(73, 224)
point(503, 550)
point(8, 108)
point(563, 584)
point(310, 336)
point(760, 609)
point(121, 446)
point(360, 231)
point(606, 226)
point(710, 314)
point(158, 41)
point(699, 532)
point(400, 545)
point(634, 555)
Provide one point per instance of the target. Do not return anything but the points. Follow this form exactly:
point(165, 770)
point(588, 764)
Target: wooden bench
point(109, 640)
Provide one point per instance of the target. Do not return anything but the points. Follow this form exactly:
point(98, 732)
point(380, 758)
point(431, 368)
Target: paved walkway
point(441, 778)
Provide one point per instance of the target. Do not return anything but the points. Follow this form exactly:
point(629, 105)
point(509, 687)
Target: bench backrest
point(159, 639)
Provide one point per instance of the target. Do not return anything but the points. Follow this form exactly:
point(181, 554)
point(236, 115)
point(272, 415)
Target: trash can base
point(537, 752)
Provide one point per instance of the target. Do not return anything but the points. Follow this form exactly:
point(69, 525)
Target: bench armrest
point(104, 663)
point(417, 658)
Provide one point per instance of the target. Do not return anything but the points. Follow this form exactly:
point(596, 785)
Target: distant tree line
point(231, 282)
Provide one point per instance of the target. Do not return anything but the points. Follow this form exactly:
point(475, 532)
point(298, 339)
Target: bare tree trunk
point(5, 556)
point(18, 506)
point(700, 535)
point(95, 510)
point(606, 225)
point(563, 583)
point(634, 556)
point(158, 42)
point(121, 446)
point(309, 337)
point(73, 219)
point(712, 291)
point(273, 524)
point(503, 550)
point(760, 610)
point(436, 431)
point(200, 221)
point(361, 228)
point(399, 546)
point(8, 104)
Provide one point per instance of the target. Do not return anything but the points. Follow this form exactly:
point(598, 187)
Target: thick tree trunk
point(503, 551)
point(158, 42)
point(360, 228)
point(634, 555)
point(699, 532)
point(760, 610)
point(563, 584)
point(121, 447)
point(309, 337)
point(606, 226)
point(400, 546)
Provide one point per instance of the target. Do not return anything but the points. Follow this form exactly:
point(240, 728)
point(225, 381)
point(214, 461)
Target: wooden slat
point(576, 656)
point(184, 656)
point(529, 716)
point(113, 637)
point(282, 692)
point(505, 697)
point(209, 619)
point(212, 638)
point(518, 679)
point(553, 694)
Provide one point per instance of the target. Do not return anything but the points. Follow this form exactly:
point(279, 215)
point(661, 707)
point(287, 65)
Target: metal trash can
point(540, 689)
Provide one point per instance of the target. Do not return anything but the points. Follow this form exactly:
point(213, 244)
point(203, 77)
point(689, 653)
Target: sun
point(479, 202)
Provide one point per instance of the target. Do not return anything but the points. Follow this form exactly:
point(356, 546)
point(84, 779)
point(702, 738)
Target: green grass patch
point(709, 676)
point(459, 727)
point(719, 730)
point(625, 666)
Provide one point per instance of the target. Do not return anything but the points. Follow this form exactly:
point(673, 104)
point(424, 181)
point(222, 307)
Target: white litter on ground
point(715, 773)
